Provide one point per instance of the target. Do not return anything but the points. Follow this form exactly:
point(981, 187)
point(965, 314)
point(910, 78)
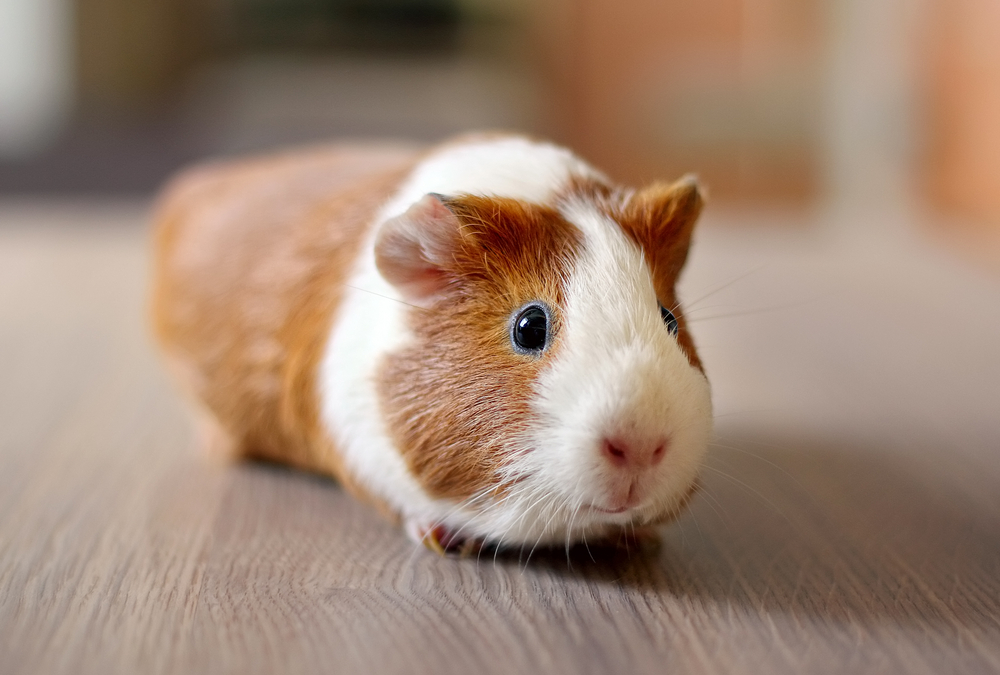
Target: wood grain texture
point(850, 522)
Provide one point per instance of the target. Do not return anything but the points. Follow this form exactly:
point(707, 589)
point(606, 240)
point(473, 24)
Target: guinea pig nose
point(630, 454)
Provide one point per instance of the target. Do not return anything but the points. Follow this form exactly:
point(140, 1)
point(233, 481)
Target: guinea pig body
point(483, 340)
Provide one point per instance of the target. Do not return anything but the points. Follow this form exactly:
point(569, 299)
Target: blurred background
point(844, 293)
point(842, 104)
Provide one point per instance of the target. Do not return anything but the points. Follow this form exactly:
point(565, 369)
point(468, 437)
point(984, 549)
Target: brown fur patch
point(458, 397)
point(250, 263)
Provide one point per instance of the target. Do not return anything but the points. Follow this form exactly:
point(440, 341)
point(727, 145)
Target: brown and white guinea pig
point(483, 340)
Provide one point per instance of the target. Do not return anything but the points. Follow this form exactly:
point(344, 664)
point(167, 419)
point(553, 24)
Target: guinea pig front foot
point(442, 540)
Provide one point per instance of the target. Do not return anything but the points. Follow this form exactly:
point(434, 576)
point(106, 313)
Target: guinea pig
point(483, 340)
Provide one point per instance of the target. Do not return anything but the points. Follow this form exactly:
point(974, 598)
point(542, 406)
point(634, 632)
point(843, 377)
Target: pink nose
point(634, 454)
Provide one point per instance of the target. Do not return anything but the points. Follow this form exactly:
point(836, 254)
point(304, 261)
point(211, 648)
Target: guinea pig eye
point(669, 319)
point(530, 330)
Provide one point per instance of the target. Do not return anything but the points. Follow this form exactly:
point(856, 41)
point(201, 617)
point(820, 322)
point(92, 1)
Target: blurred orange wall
point(963, 159)
point(730, 89)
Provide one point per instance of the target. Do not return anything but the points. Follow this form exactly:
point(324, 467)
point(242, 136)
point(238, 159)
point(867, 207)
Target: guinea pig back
point(483, 340)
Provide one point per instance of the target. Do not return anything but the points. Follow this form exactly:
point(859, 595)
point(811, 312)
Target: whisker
point(756, 411)
point(757, 310)
point(724, 286)
point(495, 506)
point(464, 504)
point(573, 515)
point(387, 297)
point(750, 489)
point(541, 534)
point(524, 512)
point(757, 457)
point(586, 546)
point(720, 511)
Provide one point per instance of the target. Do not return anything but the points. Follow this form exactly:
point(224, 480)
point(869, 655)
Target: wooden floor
point(851, 521)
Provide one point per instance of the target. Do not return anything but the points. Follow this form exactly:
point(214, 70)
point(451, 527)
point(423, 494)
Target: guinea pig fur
point(483, 340)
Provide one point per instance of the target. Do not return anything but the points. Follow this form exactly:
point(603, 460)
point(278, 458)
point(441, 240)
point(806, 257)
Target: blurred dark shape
point(145, 106)
point(137, 52)
point(367, 25)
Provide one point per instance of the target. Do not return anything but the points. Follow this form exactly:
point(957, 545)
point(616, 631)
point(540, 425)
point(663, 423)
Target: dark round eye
point(530, 330)
point(669, 319)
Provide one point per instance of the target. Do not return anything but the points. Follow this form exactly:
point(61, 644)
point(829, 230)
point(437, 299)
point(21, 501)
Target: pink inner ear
point(412, 250)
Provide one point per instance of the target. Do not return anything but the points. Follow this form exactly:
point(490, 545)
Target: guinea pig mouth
point(615, 511)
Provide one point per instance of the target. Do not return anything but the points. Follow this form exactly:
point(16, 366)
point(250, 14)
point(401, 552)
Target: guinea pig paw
point(440, 539)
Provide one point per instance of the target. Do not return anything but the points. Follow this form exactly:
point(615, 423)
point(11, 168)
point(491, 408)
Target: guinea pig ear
point(666, 215)
point(413, 250)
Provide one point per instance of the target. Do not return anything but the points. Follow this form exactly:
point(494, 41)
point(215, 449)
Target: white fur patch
point(618, 367)
point(507, 167)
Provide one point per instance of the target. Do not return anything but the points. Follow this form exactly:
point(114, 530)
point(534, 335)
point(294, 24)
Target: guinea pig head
point(551, 389)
